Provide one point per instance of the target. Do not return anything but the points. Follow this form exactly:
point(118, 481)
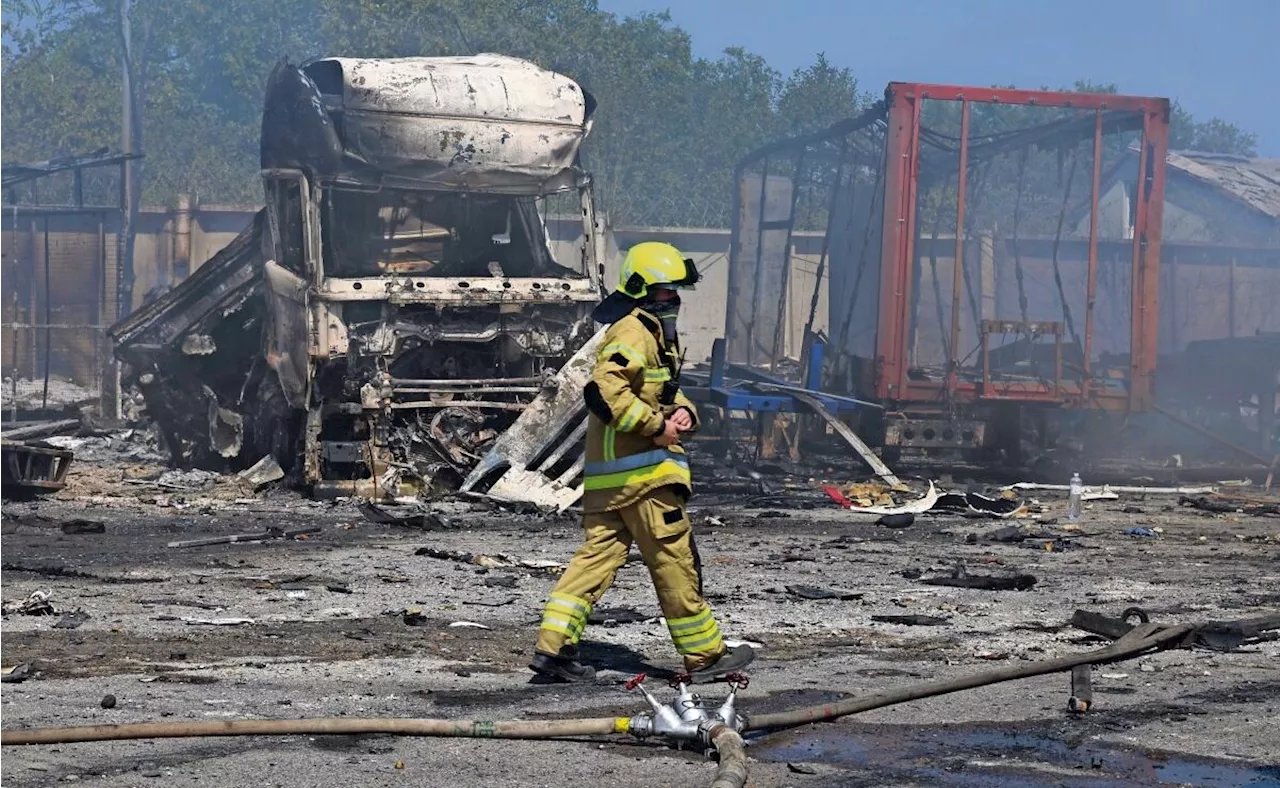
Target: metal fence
point(58, 298)
point(61, 283)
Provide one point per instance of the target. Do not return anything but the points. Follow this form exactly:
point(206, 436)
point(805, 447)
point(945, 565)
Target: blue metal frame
point(739, 398)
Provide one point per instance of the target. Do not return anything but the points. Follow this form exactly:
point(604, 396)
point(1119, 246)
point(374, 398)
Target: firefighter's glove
point(670, 434)
point(682, 419)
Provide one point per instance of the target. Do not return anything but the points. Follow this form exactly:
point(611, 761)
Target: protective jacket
point(625, 398)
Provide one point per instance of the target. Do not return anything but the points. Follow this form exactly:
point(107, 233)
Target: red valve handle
point(637, 681)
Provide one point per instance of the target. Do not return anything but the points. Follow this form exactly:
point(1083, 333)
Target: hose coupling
point(687, 718)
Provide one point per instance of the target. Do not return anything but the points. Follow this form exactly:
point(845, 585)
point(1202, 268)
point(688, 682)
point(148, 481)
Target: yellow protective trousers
point(660, 528)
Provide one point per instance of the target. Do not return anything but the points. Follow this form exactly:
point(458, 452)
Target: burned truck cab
point(415, 304)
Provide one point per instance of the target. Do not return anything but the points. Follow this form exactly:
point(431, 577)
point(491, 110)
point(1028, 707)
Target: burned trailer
point(975, 274)
point(415, 306)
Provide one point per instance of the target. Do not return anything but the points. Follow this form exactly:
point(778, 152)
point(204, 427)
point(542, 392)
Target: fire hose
point(1141, 639)
point(682, 720)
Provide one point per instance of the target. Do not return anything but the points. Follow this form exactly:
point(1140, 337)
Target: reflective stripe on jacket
point(623, 463)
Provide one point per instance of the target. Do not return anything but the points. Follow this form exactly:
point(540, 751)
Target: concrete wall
point(155, 259)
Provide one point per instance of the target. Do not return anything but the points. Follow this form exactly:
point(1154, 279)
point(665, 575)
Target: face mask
point(666, 312)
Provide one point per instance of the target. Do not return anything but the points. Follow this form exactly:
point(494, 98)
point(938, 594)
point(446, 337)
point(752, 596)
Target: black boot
point(563, 667)
point(731, 661)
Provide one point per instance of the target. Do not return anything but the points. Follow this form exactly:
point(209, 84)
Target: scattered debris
point(217, 622)
point(1147, 533)
point(270, 533)
point(817, 592)
point(412, 516)
point(903, 520)
point(41, 429)
point(108, 702)
point(801, 768)
point(960, 577)
point(179, 603)
point(973, 504)
point(488, 603)
point(613, 616)
point(1213, 635)
point(36, 604)
point(186, 479)
point(1222, 503)
point(71, 620)
point(1113, 628)
point(263, 472)
point(501, 581)
point(467, 625)
point(137, 445)
point(16, 674)
point(920, 504)
point(83, 527)
point(1257, 538)
point(1014, 534)
point(494, 561)
point(54, 570)
point(31, 469)
point(914, 620)
point(898, 511)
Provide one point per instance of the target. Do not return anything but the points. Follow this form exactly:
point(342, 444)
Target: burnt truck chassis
point(410, 378)
point(394, 307)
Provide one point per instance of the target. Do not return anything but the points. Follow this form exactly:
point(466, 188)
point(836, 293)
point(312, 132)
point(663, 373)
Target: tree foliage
point(669, 129)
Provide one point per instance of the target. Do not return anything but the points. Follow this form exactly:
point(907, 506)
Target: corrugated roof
point(14, 174)
point(1253, 182)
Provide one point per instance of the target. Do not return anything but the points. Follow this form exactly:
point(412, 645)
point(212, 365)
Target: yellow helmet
point(651, 264)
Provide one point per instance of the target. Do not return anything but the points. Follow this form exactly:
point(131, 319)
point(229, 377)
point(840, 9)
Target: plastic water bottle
point(1074, 498)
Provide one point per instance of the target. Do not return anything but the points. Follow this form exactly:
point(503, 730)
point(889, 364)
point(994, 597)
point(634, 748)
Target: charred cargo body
point(408, 304)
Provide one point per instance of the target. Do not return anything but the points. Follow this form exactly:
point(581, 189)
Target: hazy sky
point(1217, 57)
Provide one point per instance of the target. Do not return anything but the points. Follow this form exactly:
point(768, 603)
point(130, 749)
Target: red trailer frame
point(902, 163)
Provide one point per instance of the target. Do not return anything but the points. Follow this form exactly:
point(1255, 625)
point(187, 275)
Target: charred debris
point(397, 303)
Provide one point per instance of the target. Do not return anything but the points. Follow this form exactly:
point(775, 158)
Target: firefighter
point(636, 477)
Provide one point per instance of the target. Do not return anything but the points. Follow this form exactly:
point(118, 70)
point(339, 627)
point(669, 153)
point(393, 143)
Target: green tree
point(814, 97)
point(29, 23)
point(1214, 135)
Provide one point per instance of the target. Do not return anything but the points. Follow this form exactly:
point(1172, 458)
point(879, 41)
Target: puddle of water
point(999, 756)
